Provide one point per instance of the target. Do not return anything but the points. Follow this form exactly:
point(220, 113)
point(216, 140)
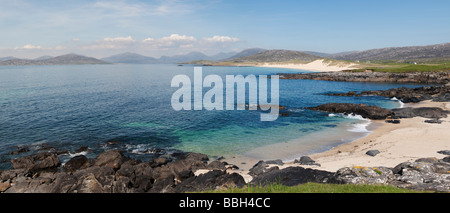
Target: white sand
point(318, 65)
point(397, 143)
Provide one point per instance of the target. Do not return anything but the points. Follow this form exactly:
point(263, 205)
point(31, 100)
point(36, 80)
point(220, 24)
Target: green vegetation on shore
point(405, 68)
point(317, 188)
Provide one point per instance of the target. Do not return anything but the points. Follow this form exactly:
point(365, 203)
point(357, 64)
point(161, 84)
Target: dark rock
point(76, 163)
point(165, 185)
point(444, 152)
point(426, 112)
point(37, 162)
point(445, 97)
point(306, 160)
point(433, 121)
point(373, 152)
point(64, 183)
point(393, 121)
point(212, 180)
point(366, 111)
point(20, 150)
point(260, 168)
point(159, 162)
point(277, 162)
point(220, 158)
point(112, 158)
point(216, 165)
point(292, 176)
point(446, 159)
point(413, 77)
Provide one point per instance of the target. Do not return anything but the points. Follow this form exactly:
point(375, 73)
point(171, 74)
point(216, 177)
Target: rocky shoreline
point(113, 172)
point(369, 76)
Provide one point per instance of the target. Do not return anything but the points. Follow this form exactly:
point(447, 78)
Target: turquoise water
point(69, 106)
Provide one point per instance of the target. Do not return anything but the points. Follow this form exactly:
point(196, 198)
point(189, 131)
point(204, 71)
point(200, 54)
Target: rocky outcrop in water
point(366, 111)
point(369, 76)
point(407, 95)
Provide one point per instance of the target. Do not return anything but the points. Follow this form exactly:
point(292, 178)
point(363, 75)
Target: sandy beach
point(397, 143)
point(317, 65)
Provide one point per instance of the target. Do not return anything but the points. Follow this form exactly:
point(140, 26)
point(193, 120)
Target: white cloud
point(172, 41)
point(177, 37)
point(120, 39)
point(222, 39)
point(28, 47)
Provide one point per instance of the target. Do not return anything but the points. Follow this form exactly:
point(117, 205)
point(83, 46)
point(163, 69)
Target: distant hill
point(7, 58)
point(276, 56)
point(59, 60)
point(43, 57)
point(131, 58)
point(399, 54)
point(182, 58)
point(244, 53)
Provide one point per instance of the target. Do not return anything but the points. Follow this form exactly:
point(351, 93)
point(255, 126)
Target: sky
point(100, 28)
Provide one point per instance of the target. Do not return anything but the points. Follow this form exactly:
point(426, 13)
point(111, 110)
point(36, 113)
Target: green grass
point(403, 68)
point(317, 188)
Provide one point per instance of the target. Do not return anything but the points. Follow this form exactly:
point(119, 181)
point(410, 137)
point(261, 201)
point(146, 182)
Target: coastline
point(410, 140)
point(319, 65)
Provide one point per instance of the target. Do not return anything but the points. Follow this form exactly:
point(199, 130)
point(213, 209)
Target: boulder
point(276, 162)
point(373, 152)
point(37, 162)
point(112, 158)
point(260, 168)
point(306, 160)
point(4, 186)
point(426, 112)
point(364, 175)
point(212, 180)
point(433, 121)
point(76, 163)
point(292, 176)
point(444, 152)
point(393, 121)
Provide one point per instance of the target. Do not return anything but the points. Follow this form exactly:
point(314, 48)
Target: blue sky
point(101, 28)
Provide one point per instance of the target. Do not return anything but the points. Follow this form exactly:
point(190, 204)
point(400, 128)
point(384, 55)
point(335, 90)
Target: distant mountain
point(244, 53)
point(222, 56)
point(397, 53)
point(320, 54)
point(183, 58)
point(131, 58)
point(59, 60)
point(43, 57)
point(277, 56)
point(8, 58)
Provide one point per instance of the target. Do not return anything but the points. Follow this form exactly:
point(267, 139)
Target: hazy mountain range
point(48, 60)
point(397, 54)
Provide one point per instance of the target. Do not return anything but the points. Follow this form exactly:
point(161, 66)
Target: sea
point(128, 107)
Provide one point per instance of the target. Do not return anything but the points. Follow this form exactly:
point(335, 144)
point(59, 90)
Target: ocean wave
point(350, 116)
point(360, 127)
point(399, 101)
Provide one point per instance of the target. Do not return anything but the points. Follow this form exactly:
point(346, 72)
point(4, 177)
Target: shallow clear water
point(69, 106)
